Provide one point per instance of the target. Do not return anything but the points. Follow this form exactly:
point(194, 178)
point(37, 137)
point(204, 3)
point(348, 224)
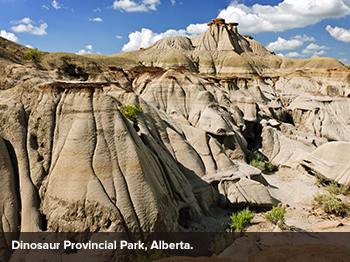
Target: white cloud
point(97, 10)
point(283, 44)
point(293, 54)
point(315, 50)
point(342, 53)
point(344, 60)
point(304, 38)
point(313, 46)
point(286, 15)
point(341, 34)
point(83, 51)
point(97, 19)
point(45, 7)
point(26, 26)
point(147, 37)
point(29, 46)
point(131, 6)
point(118, 36)
point(196, 29)
point(58, 6)
point(280, 54)
point(8, 36)
point(173, 2)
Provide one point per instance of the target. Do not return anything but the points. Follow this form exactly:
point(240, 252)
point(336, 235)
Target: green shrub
point(33, 54)
point(257, 160)
point(276, 215)
point(131, 112)
point(221, 242)
point(140, 62)
point(240, 219)
point(336, 189)
point(330, 204)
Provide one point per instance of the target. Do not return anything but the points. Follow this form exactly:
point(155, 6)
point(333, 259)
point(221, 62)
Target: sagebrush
point(131, 111)
point(33, 54)
point(257, 160)
point(240, 219)
point(330, 204)
point(276, 215)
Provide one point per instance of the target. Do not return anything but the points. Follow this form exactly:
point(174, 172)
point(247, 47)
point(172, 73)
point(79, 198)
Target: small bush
point(276, 215)
point(330, 204)
point(33, 54)
point(257, 160)
point(240, 219)
point(221, 242)
point(131, 112)
point(336, 189)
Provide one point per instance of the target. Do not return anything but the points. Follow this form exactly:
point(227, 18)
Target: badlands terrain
point(71, 161)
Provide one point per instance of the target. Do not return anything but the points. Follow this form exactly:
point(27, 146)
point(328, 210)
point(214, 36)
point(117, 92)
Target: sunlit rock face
point(71, 160)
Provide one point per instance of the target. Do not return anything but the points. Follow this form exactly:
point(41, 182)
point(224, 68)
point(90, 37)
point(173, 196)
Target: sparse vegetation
point(330, 204)
point(331, 186)
point(276, 215)
point(33, 54)
point(140, 63)
point(143, 255)
point(221, 242)
point(337, 189)
point(131, 112)
point(240, 219)
point(257, 160)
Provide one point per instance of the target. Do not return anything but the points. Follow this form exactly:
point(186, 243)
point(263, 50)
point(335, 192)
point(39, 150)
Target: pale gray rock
point(330, 160)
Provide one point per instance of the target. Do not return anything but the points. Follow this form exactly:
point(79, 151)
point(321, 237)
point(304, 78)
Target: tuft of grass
point(330, 204)
point(33, 54)
point(257, 160)
point(276, 215)
point(131, 112)
point(240, 219)
point(221, 242)
point(337, 189)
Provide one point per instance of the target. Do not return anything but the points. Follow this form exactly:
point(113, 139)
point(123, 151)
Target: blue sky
point(293, 28)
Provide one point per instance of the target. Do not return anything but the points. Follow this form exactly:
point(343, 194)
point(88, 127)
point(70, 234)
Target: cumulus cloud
point(283, 44)
point(8, 36)
point(97, 19)
point(341, 34)
point(304, 38)
point(88, 49)
point(147, 37)
point(286, 15)
point(56, 5)
point(132, 6)
point(314, 50)
point(344, 60)
point(313, 46)
point(295, 42)
point(26, 26)
point(293, 54)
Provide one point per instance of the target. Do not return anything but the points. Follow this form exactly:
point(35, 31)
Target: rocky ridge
point(71, 161)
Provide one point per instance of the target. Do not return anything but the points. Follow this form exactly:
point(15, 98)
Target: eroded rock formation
point(71, 161)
